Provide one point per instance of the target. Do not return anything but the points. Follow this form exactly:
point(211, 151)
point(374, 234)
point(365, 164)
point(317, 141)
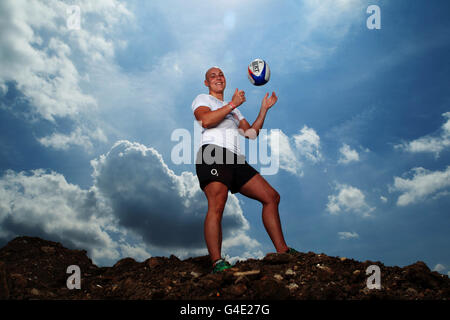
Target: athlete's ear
point(206, 83)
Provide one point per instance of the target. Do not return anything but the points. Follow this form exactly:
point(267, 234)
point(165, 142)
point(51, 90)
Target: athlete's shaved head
point(209, 71)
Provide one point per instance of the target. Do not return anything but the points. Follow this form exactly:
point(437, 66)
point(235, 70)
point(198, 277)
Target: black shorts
point(214, 163)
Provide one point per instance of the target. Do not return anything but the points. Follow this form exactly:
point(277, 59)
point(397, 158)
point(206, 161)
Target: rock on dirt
point(33, 268)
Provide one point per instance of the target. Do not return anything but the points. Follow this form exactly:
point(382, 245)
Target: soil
point(33, 268)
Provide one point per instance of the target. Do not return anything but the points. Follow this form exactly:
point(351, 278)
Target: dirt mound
point(32, 268)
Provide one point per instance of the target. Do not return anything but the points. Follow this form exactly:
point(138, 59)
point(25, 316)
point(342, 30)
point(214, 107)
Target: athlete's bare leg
point(259, 189)
point(217, 194)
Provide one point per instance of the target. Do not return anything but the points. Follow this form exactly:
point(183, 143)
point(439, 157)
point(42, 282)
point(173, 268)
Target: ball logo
point(255, 66)
point(258, 72)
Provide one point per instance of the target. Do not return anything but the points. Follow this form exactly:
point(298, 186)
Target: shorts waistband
point(214, 154)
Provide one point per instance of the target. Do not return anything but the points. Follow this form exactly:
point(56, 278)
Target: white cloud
point(287, 158)
point(439, 267)
point(44, 204)
point(79, 137)
point(421, 185)
point(348, 199)
point(307, 143)
point(348, 235)
point(50, 64)
point(430, 143)
point(292, 152)
point(138, 252)
point(383, 199)
point(258, 254)
point(347, 154)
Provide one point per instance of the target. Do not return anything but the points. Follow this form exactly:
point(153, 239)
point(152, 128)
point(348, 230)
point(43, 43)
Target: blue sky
point(363, 114)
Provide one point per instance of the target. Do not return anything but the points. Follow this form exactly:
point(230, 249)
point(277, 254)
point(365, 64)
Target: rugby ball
point(258, 72)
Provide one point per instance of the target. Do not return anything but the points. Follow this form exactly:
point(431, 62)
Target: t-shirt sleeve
point(239, 114)
point(200, 101)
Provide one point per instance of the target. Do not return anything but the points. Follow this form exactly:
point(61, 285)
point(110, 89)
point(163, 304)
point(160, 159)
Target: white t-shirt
point(224, 134)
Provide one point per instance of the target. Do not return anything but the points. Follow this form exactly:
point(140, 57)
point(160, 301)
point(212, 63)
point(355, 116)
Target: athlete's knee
point(276, 197)
point(217, 201)
point(272, 197)
point(216, 208)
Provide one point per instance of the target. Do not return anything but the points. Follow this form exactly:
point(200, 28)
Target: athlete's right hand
point(238, 97)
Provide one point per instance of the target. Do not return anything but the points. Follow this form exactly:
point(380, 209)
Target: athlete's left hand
point(268, 102)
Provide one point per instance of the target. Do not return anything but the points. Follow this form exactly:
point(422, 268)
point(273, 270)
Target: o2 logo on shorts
point(214, 172)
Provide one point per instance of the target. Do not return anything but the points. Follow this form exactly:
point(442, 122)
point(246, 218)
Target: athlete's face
point(215, 80)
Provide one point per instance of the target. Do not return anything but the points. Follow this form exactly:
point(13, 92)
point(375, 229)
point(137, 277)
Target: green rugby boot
point(220, 266)
point(292, 251)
